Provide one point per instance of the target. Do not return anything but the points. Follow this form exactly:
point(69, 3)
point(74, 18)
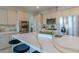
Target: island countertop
point(68, 42)
point(48, 45)
point(40, 44)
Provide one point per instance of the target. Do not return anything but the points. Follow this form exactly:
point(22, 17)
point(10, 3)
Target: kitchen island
point(39, 44)
point(55, 45)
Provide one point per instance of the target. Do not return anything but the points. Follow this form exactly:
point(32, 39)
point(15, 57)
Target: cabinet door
point(4, 41)
point(12, 17)
point(3, 17)
point(22, 15)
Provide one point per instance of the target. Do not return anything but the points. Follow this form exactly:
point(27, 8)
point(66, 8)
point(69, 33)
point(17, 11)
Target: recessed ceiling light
point(37, 7)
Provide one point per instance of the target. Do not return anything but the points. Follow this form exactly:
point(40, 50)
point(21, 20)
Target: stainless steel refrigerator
point(71, 25)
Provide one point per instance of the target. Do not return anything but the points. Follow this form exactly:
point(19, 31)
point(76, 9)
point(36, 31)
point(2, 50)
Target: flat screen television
point(51, 21)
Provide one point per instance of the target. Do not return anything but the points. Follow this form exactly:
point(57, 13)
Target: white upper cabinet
point(12, 17)
point(22, 15)
point(3, 17)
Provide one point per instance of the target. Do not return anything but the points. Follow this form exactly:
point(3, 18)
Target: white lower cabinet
point(4, 43)
point(4, 39)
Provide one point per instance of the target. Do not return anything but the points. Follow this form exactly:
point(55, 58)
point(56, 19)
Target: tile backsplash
point(5, 28)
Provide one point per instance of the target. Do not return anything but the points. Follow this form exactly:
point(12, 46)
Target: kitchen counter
point(57, 44)
point(39, 44)
point(8, 32)
point(67, 43)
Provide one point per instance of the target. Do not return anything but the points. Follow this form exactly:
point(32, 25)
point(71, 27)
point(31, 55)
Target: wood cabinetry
point(24, 26)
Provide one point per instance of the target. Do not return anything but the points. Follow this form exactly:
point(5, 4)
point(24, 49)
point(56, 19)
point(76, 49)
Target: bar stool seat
point(21, 48)
point(15, 41)
point(35, 52)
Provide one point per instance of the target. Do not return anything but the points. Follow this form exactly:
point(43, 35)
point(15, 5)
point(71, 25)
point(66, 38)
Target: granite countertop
point(68, 42)
point(46, 45)
point(39, 44)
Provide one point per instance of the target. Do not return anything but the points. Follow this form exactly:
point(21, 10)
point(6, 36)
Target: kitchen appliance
point(71, 25)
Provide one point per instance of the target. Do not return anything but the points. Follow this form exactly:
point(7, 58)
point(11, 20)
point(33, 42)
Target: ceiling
point(33, 9)
point(43, 8)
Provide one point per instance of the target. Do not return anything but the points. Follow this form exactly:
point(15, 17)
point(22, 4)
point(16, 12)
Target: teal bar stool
point(14, 41)
point(35, 52)
point(22, 48)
